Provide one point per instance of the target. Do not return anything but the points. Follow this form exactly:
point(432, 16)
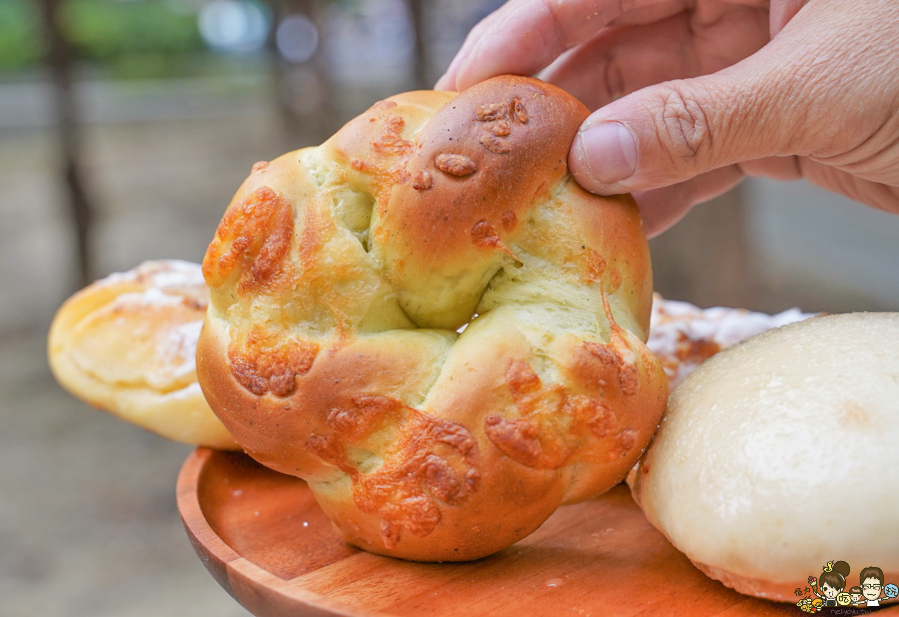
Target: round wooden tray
point(265, 540)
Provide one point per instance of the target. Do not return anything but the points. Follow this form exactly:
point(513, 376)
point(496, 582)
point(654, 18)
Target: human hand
point(710, 91)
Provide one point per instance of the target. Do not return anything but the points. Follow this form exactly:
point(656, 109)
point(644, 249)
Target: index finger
point(524, 36)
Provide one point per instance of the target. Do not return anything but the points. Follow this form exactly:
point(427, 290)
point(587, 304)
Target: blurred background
point(125, 127)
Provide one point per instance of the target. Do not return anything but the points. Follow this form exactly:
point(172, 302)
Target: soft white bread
point(340, 275)
point(781, 454)
point(127, 344)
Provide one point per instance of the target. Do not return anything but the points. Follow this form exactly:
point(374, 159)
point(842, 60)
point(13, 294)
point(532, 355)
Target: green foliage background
point(139, 38)
point(20, 40)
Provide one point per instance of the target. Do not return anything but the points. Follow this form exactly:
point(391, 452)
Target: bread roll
point(340, 276)
point(781, 454)
point(683, 336)
point(127, 344)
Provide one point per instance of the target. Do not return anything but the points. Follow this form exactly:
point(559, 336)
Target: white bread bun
point(127, 344)
point(781, 454)
point(683, 336)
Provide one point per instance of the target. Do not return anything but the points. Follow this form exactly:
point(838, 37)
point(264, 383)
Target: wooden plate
point(265, 540)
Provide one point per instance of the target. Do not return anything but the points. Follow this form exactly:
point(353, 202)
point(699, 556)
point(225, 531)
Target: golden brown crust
point(336, 359)
point(476, 186)
point(126, 344)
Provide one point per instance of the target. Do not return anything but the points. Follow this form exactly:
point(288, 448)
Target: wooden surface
point(265, 540)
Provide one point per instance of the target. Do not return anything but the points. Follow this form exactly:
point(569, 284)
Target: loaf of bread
point(127, 344)
point(781, 454)
point(341, 276)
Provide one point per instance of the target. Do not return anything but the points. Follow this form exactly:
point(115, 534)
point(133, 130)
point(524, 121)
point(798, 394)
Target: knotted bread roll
point(340, 275)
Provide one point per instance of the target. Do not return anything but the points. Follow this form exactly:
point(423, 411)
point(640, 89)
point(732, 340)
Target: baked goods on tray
point(431, 323)
point(340, 275)
point(165, 302)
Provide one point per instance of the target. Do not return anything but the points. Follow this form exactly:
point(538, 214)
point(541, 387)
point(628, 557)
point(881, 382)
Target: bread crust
point(126, 344)
point(340, 274)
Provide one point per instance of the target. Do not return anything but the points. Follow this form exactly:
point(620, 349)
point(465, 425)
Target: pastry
point(340, 276)
point(127, 344)
point(781, 454)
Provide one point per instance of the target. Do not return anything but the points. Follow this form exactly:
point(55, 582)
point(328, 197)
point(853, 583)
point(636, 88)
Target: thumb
point(673, 131)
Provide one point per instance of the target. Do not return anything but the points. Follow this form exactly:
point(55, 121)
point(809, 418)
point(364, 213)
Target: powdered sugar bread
point(127, 344)
point(683, 336)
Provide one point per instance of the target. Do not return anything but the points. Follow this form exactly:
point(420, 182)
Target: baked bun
point(127, 344)
point(340, 276)
point(781, 454)
point(683, 336)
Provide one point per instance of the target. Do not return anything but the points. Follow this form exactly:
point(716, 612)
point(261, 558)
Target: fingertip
point(445, 83)
point(580, 169)
point(602, 156)
point(468, 73)
point(449, 81)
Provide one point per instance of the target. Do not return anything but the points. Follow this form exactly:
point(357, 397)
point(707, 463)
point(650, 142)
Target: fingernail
point(609, 151)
